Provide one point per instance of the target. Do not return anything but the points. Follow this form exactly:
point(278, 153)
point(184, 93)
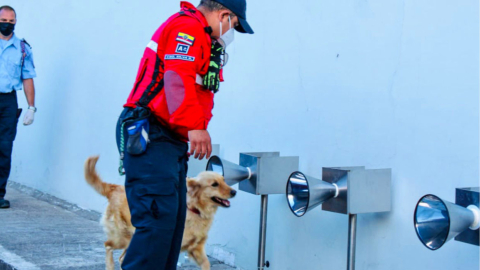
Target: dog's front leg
point(200, 258)
point(109, 263)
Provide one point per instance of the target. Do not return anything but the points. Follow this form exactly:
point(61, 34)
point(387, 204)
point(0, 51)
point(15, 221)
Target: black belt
point(9, 93)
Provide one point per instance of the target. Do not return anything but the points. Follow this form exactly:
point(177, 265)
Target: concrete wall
point(384, 84)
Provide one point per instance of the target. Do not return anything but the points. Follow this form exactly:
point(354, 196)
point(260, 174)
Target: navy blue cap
point(239, 7)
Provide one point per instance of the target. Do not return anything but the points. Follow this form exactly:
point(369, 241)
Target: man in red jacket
point(169, 105)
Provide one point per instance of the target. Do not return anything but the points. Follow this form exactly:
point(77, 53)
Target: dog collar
point(195, 210)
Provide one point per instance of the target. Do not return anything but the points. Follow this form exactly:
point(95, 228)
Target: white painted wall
point(384, 84)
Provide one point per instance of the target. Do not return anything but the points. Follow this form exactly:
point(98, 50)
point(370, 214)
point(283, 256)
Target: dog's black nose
point(233, 192)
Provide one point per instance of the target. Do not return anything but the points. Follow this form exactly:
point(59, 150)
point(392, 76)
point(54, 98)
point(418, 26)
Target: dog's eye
point(215, 184)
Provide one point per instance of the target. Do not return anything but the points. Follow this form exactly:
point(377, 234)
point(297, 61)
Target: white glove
point(28, 119)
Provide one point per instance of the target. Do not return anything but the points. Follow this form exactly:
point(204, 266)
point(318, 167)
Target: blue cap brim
point(243, 26)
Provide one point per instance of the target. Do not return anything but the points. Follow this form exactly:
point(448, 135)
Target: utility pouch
point(137, 125)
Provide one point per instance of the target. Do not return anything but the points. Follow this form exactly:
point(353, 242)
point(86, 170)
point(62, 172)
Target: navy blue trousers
point(156, 192)
point(8, 131)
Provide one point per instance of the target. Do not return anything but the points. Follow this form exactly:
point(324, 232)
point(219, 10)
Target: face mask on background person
point(6, 28)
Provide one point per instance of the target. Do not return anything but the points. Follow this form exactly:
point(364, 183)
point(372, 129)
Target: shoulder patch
point(179, 57)
point(182, 48)
point(185, 38)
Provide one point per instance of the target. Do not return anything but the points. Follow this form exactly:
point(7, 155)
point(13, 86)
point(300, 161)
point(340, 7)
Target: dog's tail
point(94, 179)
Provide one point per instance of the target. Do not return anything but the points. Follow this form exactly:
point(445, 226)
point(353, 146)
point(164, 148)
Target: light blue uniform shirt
point(10, 65)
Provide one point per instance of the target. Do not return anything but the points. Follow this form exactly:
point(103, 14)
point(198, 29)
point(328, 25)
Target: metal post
point(352, 234)
point(263, 232)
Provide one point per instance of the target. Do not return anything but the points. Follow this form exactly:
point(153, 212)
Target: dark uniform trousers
point(156, 191)
point(8, 131)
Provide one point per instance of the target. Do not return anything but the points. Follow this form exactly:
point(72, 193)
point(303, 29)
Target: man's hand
point(200, 143)
point(28, 119)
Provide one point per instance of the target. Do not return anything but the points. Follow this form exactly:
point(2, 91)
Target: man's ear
point(224, 13)
point(193, 187)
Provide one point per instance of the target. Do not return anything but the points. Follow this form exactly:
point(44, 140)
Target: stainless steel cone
point(304, 193)
point(233, 173)
point(437, 221)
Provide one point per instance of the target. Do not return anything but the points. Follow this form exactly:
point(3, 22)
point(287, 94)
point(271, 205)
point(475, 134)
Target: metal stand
point(263, 232)
point(352, 234)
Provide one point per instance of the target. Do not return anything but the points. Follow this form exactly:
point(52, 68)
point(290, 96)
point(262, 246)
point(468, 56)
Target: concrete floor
point(41, 232)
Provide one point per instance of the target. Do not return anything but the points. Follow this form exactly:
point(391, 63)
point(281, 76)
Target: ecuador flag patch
point(185, 38)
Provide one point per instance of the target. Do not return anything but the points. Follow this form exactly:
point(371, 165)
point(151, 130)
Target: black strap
point(148, 94)
point(208, 30)
point(146, 98)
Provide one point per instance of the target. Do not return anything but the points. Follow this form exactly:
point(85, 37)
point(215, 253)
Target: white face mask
point(227, 38)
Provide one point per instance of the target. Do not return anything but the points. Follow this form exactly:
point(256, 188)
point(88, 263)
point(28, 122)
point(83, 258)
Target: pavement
point(42, 232)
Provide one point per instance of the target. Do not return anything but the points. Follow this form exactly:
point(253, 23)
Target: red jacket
point(179, 53)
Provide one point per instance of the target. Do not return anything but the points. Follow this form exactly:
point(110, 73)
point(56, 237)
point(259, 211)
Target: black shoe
point(4, 204)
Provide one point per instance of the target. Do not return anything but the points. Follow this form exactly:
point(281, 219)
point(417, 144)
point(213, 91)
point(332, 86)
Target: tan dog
point(205, 193)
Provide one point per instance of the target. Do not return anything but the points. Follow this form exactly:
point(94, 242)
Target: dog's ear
point(193, 186)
